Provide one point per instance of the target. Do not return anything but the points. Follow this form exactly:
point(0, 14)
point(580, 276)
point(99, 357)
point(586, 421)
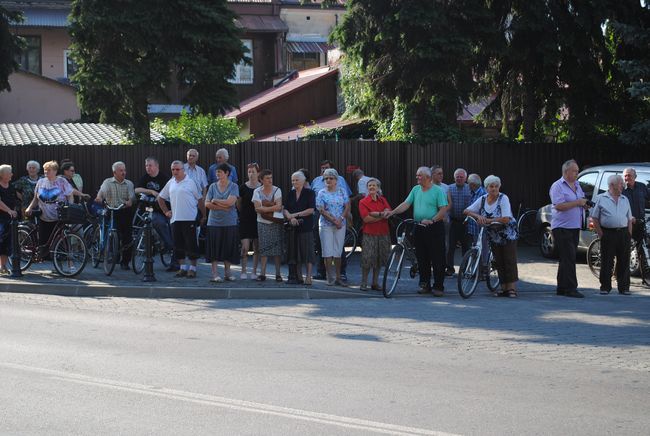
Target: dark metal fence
point(526, 170)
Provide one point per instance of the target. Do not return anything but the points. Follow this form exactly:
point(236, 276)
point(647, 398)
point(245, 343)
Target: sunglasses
point(328, 178)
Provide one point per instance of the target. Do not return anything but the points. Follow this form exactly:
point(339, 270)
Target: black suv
point(593, 181)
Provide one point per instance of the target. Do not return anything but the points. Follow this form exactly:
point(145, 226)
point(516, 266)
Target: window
point(69, 65)
point(304, 61)
point(588, 184)
point(30, 58)
point(243, 71)
point(603, 185)
point(644, 179)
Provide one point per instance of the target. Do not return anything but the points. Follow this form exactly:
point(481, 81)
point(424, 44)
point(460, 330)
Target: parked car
point(593, 182)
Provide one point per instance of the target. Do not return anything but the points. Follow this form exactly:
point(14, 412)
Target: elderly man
point(150, 185)
point(115, 191)
point(184, 194)
point(194, 171)
point(362, 182)
point(567, 215)
point(461, 197)
point(429, 209)
point(638, 195)
point(221, 156)
point(437, 175)
point(316, 185)
point(612, 218)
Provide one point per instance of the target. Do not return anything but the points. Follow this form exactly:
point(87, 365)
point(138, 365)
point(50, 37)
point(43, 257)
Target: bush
point(199, 129)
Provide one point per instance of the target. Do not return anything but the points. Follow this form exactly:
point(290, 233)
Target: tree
point(10, 46)
point(199, 129)
point(415, 53)
point(129, 52)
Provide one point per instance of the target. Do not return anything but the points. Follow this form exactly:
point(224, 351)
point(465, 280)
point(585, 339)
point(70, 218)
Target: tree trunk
point(141, 130)
point(530, 111)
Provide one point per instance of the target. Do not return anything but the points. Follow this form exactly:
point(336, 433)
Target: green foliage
point(129, 52)
point(10, 46)
point(199, 129)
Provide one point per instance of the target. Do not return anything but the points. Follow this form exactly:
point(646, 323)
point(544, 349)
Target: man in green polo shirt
point(429, 208)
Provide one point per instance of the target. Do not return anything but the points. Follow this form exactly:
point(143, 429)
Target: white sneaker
point(254, 276)
point(243, 276)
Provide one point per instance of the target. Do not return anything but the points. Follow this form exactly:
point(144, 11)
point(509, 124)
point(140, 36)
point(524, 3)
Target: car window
point(602, 186)
point(644, 178)
point(588, 184)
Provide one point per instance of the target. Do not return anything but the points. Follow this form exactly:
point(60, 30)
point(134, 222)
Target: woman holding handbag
point(268, 205)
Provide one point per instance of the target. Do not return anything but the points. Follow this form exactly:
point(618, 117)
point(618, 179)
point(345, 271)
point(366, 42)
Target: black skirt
point(222, 244)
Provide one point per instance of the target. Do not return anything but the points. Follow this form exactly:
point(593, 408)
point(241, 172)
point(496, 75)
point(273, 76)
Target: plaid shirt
point(461, 198)
point(472, 227)
point(115, 193)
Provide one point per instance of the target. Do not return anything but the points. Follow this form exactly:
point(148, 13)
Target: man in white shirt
point(184, 194)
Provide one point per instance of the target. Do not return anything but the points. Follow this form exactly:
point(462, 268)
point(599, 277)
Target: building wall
point(26, 103)
point(309, 23)
point(53, 44)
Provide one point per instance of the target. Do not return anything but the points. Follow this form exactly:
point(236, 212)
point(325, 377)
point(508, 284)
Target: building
point(47, 59)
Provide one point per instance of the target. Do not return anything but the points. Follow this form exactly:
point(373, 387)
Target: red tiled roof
point(329, 122)
point(270, 95)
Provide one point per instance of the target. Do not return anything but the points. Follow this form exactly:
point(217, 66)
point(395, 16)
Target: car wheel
point(547, 244)
point(634, 262)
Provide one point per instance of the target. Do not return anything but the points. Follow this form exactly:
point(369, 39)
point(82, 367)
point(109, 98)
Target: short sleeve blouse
point(332, 202)
point(49, 193)
point(222, 218)
point(258, 195)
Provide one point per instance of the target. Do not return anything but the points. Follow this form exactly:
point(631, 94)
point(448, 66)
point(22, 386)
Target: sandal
point(376, 288)
point(278, 278)
point(216, 279)
point(363, 287)
point(511, 293)
point(500, 294)
point(261, 278)
point(308, 281)
point(230, 278)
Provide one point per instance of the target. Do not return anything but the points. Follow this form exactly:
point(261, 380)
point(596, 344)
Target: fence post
point(148, 262)
point(15, 250)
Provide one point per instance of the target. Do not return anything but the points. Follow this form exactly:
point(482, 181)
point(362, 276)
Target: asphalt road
point(537, 365)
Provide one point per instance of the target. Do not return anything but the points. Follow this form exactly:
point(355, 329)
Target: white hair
point(474, 179)
point(373, 180)
point(460, 170)
point(631, 171)
point(614, 179)
point(299, 175)
point(425, 170)
point(567, 164)
point(118, 164)
point(331, 172)
point(33, 162)
point(492, 180)
point(176, 162)
point(4, 169)
point(223, 152)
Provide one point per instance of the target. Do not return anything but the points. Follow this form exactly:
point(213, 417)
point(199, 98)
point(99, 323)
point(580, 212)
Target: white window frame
point(66, 54)
point(244, 73)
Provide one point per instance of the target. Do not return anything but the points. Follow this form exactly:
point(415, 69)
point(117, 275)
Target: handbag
point(271, 216)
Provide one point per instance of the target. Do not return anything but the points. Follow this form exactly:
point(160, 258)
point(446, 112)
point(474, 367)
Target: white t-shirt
point(362, 185)
point(184, 197)
point(506, 210)
point(259, 196)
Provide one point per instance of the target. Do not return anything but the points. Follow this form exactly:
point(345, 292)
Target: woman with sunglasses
point(334, 206)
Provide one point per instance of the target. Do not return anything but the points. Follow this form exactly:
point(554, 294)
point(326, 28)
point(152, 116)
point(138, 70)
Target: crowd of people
point(307, 225)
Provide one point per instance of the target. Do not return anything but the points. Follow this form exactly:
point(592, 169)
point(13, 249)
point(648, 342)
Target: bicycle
point(350, 243)
point(470, 267)
point(139, 246)
point(527, 225)
point(66, 247)
point(403, 250)
point(105, 245)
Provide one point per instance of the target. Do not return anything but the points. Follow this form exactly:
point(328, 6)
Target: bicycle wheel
point(492, 280)
point(350, 242)
point(139, 253)
point(644, 267)
point(392, 270)
point(468, 273)
point(27, 249)
point(593, 257)
point(165, 255)
point(526, 227)
point(69, 255)
point(94, 246)
point(111, 252)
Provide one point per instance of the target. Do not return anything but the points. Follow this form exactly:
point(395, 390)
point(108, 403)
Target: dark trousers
point(615, 243)
point(430, 252)
point(457, 233)
point(184, 235)
point(123, 225)
point(637, 234)
point(566, 241)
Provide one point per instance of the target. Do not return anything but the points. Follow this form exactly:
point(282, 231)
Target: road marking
point(228, 403)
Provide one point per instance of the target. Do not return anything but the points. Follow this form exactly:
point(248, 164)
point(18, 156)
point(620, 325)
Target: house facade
point(46, 55)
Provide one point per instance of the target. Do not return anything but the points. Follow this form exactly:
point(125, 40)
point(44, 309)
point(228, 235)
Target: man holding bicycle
point(638, 196)
point(115, 191)
point(429, 209)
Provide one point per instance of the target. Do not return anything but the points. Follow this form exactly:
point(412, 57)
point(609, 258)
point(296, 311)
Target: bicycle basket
point(72, 214)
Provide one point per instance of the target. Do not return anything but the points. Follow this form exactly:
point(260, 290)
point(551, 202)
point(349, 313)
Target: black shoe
point(449, 272)
point(424, 290)
point(573, 294)
point(181, 273)
point(625, 292)
point(604, 291)
point(172, 268)
point(560, 292)
point(320, 276)
point(125, 266)
point(293, 281)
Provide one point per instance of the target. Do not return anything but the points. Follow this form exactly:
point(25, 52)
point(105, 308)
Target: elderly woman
point(376, 234)
point(299, 207)
point(494, 207)
point(268, 205)
point(333, 205)
point(49, 190)
point(26, 184)
point(248, 220)
point(223, 232)
point(68, 172)
point(8, 203)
